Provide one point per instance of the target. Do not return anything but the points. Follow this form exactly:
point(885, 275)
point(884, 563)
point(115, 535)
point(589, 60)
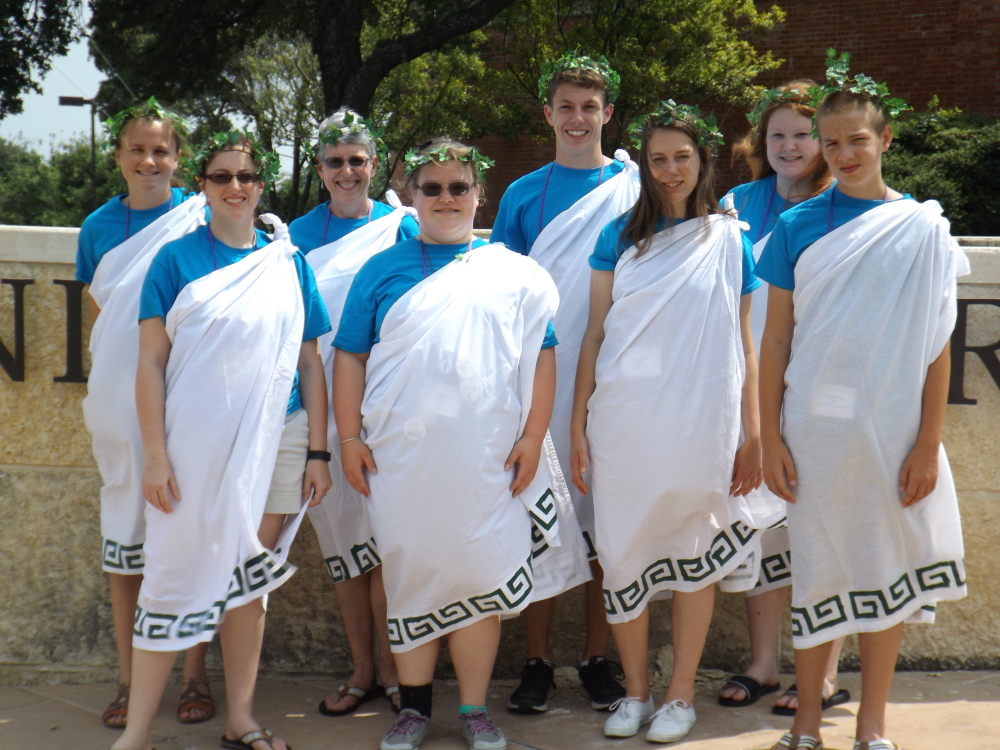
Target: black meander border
point(116, 556)
point(364, 555)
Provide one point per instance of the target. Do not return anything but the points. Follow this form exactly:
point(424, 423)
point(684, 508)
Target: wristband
point(318, 455)
point(347, 440)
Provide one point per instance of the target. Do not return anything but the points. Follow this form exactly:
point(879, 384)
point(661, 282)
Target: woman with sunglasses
point(337, 238)
point(444, 377)
point(115, 246)
point(233, 433)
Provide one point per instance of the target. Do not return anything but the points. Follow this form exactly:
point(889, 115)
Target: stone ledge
point(38, 244)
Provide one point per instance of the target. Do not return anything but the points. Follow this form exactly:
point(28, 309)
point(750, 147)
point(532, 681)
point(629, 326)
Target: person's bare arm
point(527, 451)
point(158, 482)
point(601, 284)
point(747, 470)
point(348, 393)
point(775, 351)
point(312, 389)
point(920, 469)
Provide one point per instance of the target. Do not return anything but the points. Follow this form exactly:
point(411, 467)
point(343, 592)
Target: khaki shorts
point(285, 493)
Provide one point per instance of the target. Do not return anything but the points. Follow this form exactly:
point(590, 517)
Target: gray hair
point(349, 134)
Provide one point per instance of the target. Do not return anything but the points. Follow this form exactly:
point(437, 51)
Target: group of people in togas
point(605, 331)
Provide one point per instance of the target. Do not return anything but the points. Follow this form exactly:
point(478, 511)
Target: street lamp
point(79, 101)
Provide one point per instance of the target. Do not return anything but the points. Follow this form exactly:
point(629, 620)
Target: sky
point(43, 122)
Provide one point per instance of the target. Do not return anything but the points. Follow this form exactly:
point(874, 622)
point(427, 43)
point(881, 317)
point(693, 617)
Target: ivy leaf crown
point(150, 108)
point(353, 123)
point(414, 160)
point(575, 59)
point(269, 165)
point(837, 79)
point(773, 98)
point(707, 128)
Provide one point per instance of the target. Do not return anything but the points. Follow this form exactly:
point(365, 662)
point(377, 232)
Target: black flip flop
point(246, 741)
point(360, 696)
point(841, 696)
point(749, 685)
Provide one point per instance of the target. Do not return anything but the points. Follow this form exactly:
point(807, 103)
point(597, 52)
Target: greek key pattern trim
point(660, 574)
point(117, 556)
point(253, 574)
point(365, 555)
point(434, 624)
point(879, 603)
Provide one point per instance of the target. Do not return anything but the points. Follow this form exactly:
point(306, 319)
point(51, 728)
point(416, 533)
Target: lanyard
point(326, 224)
point(128, 213)
point(425, 259)
point(545, 187)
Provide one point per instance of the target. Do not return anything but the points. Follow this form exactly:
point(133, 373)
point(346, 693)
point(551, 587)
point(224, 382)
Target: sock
point(417, 697)
point(595, 659)
point(463, 709)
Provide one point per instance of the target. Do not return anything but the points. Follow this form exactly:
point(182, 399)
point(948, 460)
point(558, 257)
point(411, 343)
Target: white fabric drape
point(874, 307)
point(562, 249)
point(341, 520)
point(109, 407)
point(235, 336)
point(664, 420)
point(449, 387)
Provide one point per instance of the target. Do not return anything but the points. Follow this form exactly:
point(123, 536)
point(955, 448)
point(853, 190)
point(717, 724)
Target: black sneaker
point(531, 696)
point(600, 683)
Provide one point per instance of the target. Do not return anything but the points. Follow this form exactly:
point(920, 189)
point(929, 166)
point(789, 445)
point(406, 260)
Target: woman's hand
point(919, 475)
point(316, 482)
point(579, 460)
point(523, 458)
point(748, 470)
point(355, 457)
point(778, 466)
point(159, 484)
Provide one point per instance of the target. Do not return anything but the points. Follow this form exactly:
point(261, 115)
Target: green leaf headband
point(414, 160)
point(151, 108)
point(573, 59)
point(352, 124)
point(838, 80)
point(773, 98)
point(268, 162)
point(707, 128)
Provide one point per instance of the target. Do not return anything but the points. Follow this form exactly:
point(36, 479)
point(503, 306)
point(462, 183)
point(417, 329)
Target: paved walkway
point(928, 711)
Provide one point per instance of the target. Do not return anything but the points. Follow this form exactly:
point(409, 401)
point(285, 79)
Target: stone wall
point(55, 622)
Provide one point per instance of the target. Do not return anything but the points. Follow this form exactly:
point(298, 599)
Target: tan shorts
point(285, 494)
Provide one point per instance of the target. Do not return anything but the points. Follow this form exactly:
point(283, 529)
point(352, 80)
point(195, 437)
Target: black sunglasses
point(455, 189)
point(224, 178)
point(335, 162)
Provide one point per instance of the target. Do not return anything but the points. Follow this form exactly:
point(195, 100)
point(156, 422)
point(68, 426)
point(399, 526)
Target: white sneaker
point(628, 715)
point(672, 722)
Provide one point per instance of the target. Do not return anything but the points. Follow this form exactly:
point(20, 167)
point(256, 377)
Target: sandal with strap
point(246, 741)
point(791, 741)
point(192, 699)
point(882, 744)
point(392, 692)
point(360, 696)
point(751, 686)
point(117, 709)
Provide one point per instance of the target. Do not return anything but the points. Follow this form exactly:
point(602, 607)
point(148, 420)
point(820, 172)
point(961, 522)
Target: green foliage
point(838, 80)
point(53, 192)
point(953, 158)
point(692, 51)
point(34, 31)
point(707, 128)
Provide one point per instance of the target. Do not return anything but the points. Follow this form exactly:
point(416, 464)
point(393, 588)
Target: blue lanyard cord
point(545, 187)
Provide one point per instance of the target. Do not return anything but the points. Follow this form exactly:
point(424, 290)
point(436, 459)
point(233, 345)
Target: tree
point(357, 43)
point(34, 31)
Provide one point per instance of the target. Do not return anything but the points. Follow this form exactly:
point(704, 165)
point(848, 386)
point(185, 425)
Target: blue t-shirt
point(104, 229)
point(610, 246)
point(386, 277)
point(522, 216)
point(801, 226)
point(191, 257)
point(312, 230)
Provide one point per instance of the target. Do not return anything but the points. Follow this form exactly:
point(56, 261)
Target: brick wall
point(950, 48)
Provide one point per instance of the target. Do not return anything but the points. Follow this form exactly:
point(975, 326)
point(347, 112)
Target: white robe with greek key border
point(109, 407)
point(875, 305)
point(235, 339)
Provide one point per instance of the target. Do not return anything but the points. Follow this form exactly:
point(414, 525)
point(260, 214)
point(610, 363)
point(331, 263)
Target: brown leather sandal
point(192, 699)
point(116, 714)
